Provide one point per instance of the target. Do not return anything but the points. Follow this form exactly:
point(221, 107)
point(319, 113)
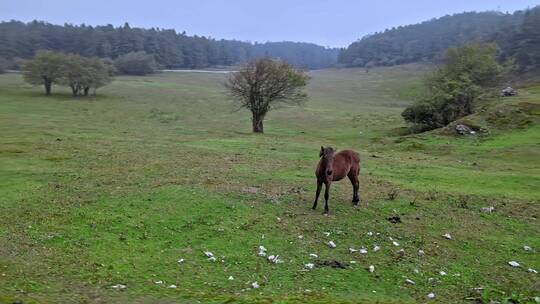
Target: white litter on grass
point(352, 262)
point(326, 233)
point(181, 261)
point(119, 286)
point(313, 255)
point(309, 265)
point(409, 281)
point(208, 254)
point(489, 209)
point(231, 278)
point(442, 273)
point(371, 268)
point(172, 286)
point(376, 248)
point(421, 252)
point(395, 243)
point(431, 295)
point(262, 251)
point(370, 233)
point(352, 250)
point(279, 220)
point(300, 237)
point(159, 282)
point(212, 259)
point(527, 248)
point(513, 264)
point(331, 244)
point(447, 236)
point(274, 259)
point(416, 270)
point(255, 285)
point(363, 250)
point(532, 270)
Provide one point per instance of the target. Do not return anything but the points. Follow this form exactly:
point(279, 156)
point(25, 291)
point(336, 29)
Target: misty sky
point(325, 22)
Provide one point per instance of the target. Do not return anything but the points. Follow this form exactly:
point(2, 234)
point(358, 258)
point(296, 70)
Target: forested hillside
point(170, 49)
point(517, 34)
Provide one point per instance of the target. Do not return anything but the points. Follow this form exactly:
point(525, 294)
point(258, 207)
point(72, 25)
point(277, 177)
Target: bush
point(135, 63)
point(453, 88)
point(4, 65)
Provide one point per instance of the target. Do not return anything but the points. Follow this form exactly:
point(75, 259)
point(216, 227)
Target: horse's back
point(353, 156)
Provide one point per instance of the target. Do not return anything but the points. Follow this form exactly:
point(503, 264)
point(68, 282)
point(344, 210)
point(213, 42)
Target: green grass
point(115, 189)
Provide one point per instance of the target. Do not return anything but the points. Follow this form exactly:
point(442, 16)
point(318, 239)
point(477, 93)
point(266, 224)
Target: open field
point(115, 189)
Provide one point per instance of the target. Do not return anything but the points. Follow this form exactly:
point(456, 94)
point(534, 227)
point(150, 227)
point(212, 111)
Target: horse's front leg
point(319, 186)
point(326, 195)
point(356, 185)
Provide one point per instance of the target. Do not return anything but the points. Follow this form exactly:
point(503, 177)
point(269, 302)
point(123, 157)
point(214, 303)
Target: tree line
point(517, 34)
point(169, 48)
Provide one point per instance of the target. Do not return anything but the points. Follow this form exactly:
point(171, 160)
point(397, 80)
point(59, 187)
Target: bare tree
point(262, 84)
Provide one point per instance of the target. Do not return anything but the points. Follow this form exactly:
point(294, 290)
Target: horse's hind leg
point(353, 177)
point(319, 186)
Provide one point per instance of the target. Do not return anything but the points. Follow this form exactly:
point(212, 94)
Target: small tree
point(81, 74)
point(135, 63)
point(44, 69)
point(264, 83)
point(99, 74)
point(75, 74)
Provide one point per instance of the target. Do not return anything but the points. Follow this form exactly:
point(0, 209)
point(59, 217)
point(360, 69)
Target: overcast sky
point(325, 22)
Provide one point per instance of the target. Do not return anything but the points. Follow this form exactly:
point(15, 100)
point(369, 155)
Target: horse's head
point(327, 158)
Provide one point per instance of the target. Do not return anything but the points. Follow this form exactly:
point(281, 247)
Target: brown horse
point(334, 167)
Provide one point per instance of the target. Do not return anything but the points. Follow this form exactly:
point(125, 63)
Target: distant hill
point(170, 49)
point(427, 41)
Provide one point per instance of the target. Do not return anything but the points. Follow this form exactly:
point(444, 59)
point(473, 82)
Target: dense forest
point(170, 49)
point(517, 34)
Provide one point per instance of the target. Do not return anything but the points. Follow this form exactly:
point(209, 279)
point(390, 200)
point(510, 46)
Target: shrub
point(454, 87)
point(135, 63)
point(4, 65)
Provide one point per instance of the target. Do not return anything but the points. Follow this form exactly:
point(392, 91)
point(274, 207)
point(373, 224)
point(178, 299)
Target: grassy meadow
point(115, 189)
